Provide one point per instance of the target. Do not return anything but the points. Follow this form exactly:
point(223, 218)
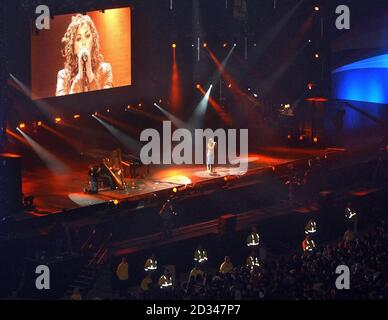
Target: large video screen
point(82, 53)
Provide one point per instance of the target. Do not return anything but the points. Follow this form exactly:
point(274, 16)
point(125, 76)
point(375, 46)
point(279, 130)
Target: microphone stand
point(85, 83)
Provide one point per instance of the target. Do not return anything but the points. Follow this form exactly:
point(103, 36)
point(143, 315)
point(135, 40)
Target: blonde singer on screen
point(84, 67)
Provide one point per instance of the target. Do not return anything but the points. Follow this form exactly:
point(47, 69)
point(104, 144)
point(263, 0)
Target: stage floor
point(53, 193)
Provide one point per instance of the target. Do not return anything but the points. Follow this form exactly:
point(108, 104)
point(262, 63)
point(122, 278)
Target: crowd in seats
point(301, 276)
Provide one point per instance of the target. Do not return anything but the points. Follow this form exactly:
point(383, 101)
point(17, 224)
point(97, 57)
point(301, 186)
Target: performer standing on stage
point(210, 155)
point(84, 68)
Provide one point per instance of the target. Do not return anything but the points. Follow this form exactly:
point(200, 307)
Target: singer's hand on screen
point(85, 64)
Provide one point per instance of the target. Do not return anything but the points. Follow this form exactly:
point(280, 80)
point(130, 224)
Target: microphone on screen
point(84, 57)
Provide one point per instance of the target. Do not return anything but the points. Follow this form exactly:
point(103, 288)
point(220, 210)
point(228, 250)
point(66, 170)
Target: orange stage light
point(76, 116)
point(22, 125)
point(57, 120)
point(318, 99)
point(175, 85)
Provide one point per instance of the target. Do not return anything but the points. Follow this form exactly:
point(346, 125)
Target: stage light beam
point(175, 84)
point(196, 119)
point(130, 143)
point(54, 164)
point(177, 122)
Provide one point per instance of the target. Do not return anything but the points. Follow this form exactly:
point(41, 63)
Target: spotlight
point(95, 114)
point(39, 123)
point(22, 125)
point(316, 55)
point(310, 85)
point(255, 95)
point(192, 45)
point(301, 138)
point(225, 45)
point(139, 105)
point(205, 45)
point(160, 100)
point(58, 120)
point(174, 45)
point(249, 89)
point(128, 107)
point(211, 86)
point(76, 116)
point(315, 139)
point(229, 85)
point(234, 45)
point(255, 44)
point(175, 190)
point(316, 8)
point(310, 41)
point(115, 202)
point(289, 137)
point(198, 86)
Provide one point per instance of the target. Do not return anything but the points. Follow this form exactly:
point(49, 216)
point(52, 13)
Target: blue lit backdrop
point(364, 80)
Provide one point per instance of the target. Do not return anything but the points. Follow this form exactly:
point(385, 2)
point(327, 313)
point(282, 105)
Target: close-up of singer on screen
point(84, 67)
